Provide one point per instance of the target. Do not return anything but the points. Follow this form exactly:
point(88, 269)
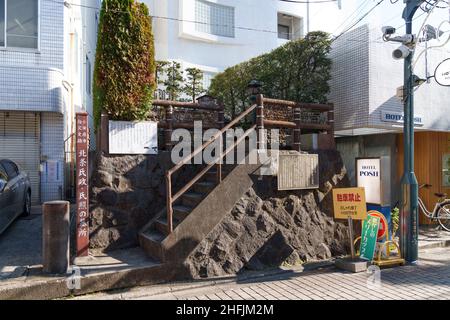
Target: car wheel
point(27, 205)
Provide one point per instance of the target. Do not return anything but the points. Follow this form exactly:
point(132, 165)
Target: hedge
point(124, 75)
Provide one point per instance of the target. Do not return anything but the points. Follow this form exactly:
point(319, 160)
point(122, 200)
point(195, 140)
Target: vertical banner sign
point(82, 232)
point(369, 235)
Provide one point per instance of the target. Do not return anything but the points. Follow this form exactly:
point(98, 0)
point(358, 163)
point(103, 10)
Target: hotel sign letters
point(82, 184)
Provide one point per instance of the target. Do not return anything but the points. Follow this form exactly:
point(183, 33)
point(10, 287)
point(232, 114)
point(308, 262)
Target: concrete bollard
point(55, 236)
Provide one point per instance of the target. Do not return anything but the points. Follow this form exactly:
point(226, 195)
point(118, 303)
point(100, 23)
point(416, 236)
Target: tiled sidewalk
point(430, 279)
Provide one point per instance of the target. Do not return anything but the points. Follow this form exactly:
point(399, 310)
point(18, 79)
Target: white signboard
point(126, 137)
point(368, 176)
point(397, 117)
point(442, 73)
point(52, 171)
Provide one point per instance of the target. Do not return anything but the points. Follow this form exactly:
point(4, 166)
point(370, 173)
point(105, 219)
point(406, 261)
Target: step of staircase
point(211, 176)
point(204, 186)
point(192, 199)
point(162, 226)
point(180, 212)
point(150, 242)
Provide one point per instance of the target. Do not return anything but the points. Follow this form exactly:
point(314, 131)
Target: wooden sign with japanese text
point(349, 203)
point(82, 194)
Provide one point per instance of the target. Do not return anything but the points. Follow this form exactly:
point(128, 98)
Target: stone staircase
point(195, 214)
point(159, 228)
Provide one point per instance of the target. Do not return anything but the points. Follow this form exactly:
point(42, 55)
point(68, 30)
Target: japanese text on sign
point(349, 203)
point(369, 237)
point(82, 184)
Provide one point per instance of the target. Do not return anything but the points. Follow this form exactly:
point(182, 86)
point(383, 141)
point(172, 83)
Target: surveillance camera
point(388, 30)
point(401, 53)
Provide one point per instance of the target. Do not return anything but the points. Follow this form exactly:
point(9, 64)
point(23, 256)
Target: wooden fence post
point(297, 130)
point(169, 128)
point(220, 125)
point(260, 122)
point(330, 122)
point(104, 133)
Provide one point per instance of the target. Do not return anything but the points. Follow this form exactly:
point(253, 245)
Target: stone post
point(55, 236)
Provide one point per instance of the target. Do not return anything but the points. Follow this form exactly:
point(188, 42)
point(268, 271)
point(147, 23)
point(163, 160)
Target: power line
point(359, 8)
point(308, 2)
point(359, 20)
point(177, 19)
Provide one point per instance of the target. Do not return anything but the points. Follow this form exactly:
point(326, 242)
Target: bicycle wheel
point(443, 217)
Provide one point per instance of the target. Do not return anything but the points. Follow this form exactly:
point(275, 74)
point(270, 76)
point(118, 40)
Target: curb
point(437, 244)
point(180, 286)
point(90, 283)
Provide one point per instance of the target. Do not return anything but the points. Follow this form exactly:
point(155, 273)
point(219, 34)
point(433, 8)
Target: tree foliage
point(297, 71)
point(193, 86)
point(124, 76)
point(173, 80)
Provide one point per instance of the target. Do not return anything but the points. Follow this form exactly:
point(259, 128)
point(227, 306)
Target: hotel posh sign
point(398, 117)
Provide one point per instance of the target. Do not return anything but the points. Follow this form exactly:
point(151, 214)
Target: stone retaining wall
point(267, 228)
point(126, 192)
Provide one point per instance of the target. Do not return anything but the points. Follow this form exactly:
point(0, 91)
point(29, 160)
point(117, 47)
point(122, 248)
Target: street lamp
point(409, 214)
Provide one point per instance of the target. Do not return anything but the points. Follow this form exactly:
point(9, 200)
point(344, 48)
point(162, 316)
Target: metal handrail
point(171, 199)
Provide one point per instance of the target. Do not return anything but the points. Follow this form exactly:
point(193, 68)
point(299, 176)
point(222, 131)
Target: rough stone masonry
point(127, 191)
point(267, 228)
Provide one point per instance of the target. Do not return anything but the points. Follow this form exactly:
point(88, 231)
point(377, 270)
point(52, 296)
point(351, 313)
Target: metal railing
point(172, 198)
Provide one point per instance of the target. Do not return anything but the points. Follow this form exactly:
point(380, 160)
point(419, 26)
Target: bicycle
point(441, 211)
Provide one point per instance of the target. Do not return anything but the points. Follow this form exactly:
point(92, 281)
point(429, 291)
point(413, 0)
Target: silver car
point(15, 193)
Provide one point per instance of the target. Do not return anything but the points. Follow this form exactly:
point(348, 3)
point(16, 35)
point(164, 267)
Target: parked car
point(15, 193)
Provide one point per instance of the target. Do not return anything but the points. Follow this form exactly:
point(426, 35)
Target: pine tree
point(194, 83)
point(174, 80)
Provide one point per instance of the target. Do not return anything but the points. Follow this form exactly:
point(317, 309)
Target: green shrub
point(124, 75)
point(297, 71)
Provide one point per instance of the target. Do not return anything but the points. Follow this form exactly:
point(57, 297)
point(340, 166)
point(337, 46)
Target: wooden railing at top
point(297, 125)
point(172, 198)
point(169, 124)
point(260, 124)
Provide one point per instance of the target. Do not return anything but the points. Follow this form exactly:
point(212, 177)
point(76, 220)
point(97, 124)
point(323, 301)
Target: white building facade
point(47, 50)
point(369, 114)
point(212, 35)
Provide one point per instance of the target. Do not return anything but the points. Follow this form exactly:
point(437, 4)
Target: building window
point(19, 23)
point(214, 19)
point(283, 32)
point(289, 27)
point(88, 76)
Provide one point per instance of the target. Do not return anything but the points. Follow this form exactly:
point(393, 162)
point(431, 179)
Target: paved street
point(430, 279)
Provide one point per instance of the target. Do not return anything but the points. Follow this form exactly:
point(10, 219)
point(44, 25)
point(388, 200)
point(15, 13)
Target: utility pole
point(409, 214)
point(307, 16)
